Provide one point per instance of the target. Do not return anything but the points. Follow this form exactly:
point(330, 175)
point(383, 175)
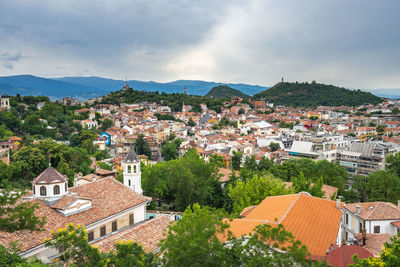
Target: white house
point(374, 217)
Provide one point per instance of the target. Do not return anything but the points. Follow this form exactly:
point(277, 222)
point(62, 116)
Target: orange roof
point(314, 221)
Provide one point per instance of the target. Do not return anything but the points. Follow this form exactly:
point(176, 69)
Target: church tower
point(132, 174)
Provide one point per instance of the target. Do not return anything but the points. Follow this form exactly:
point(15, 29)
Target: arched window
point(134, 168)
point(129, 182)
point(43, 191)
point(66, 187)
point(56, 190)
point(129, 168)
point(34, 190)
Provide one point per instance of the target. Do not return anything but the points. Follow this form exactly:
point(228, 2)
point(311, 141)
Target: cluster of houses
point(358, 138)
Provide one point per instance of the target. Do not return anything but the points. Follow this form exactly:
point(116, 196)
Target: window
point(66, 187)
point(361, 226)
point(347, 218)
point(129, 168)
point(43, 191)
point(377, 229)
point(90, 236)
point(103, 231)
point(114, 226)
point(346, 236)
point(56, 190)
point(129, 182)
point(34, 190)
point(134, 168)
point(131, 219)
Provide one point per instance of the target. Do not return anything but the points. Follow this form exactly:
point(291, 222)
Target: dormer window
point(43, 191)
point(56, 190)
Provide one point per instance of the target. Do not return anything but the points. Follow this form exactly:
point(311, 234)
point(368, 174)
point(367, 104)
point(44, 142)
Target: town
point(140, 172)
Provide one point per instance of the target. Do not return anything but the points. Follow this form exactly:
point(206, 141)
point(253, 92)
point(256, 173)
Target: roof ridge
point(290, 207)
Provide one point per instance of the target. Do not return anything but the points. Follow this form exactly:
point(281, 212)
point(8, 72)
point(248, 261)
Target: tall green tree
point(236, 159)
point(255, 190)
point(141, 146)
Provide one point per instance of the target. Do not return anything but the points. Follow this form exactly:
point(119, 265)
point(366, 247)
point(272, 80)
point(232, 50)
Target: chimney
point(358, 209)
point(338, 203)
point(364, 235)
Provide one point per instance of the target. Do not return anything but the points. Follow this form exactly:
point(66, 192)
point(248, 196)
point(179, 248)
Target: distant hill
point(315, 94)
point(89, 87)
point(32, 85)
point(194, 87)
point(223, 91)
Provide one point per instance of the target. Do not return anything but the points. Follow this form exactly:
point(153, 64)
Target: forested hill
point(223, 91)
point(174, 101)
point(315, 94)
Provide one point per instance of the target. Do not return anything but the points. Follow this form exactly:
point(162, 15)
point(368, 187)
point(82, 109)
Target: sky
point(350, 43)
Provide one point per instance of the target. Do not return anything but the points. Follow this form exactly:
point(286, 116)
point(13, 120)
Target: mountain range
point(89, 87)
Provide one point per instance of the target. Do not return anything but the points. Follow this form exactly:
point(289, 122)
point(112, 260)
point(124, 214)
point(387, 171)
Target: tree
point(241, 111)
point(106, 124)
point(236, 160)
point(18, 216)
point(255, 190)
point(170, 150)
point(383, 186)
point(182, 182)
point(197, 239)
point(76, 250)
point(301, 184)
point(274, 146)
point(193, 240)
point(380, 129)
point(191, 122)
point(141, 146)
point(393, 163)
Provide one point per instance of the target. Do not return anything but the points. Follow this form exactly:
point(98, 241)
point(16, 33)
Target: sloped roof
point(48, 176)
point(376, 210)
point(148, 234)
point(313, 221)
point(131, 156)
point(108, 197)
point(341, 257)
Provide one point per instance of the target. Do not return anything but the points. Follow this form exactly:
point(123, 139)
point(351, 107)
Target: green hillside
point(315, 94)
point(223, 91)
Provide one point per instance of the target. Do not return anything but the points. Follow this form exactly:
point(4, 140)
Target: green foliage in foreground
point(18, 216)
point(195, 240)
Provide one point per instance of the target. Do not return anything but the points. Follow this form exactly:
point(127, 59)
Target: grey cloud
point(8, 65)
point(351, 43)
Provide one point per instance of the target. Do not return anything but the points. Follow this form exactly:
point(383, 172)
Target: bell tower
point(132, 174)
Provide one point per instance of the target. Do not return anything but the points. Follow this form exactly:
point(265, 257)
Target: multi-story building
point(364, 158)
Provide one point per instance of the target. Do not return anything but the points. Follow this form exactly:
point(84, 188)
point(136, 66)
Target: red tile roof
point(313, 221)
point(376, 210)
point(108, 197)
point(341, 257)
point(148, 234)
point(50, 175)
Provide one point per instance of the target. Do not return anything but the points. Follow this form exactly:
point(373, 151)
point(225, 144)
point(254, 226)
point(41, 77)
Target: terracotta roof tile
point(49, 175)
point(374, 242)
point(314, 221)
point(108, 198)
point(341, 257)
point(148, 234)
point(376, 210)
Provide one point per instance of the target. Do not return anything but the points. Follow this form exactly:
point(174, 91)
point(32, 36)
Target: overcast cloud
point(351, 43)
